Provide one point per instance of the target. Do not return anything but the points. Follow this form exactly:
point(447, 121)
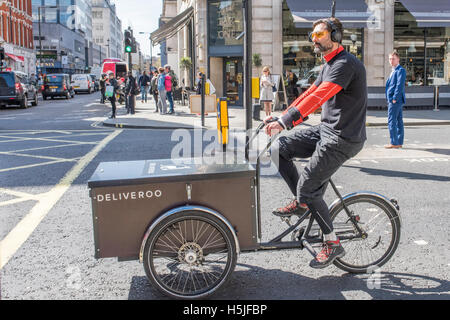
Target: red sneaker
point(331, 250)
point(293, 208)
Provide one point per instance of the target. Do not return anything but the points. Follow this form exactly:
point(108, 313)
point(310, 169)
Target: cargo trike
point(188, 221)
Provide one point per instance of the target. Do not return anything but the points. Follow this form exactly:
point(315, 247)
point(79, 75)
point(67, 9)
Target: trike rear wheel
point(189, 255)
point(380, 224)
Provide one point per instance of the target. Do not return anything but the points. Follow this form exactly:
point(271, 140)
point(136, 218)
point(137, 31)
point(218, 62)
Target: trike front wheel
point(189, 255)
point(370, 247)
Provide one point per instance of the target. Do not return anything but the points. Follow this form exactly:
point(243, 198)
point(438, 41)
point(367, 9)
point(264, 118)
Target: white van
point(82, 83)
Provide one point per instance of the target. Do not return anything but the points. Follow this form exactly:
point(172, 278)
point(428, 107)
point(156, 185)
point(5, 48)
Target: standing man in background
point(144, 83)
point(130, 92)
point(395, 95)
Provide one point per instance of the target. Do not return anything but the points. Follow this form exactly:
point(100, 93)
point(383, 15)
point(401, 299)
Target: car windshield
point(54, 79)
point(7, 80)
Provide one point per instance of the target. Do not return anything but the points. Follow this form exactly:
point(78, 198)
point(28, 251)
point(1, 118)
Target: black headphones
point(335, 34)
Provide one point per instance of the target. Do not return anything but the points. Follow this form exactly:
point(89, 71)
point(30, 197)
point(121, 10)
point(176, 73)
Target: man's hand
point(273, 127)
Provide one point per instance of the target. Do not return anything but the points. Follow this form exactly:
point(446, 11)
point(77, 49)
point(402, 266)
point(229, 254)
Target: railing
point(416, 96)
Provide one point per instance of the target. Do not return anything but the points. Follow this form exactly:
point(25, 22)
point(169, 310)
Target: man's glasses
point(317, 34)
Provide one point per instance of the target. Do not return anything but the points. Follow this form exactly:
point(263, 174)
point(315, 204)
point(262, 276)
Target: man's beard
point(321, 48)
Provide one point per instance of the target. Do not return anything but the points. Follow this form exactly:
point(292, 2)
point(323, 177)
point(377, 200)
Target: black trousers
point(327, 152)
point(131, 103)
point(103, 98)
point(113, 105)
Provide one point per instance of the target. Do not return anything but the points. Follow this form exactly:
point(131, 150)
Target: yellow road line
point(22, 231)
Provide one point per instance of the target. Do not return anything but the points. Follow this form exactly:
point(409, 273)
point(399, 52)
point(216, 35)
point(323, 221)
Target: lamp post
point(40, 37)
point(151, 48)
point(109, 55)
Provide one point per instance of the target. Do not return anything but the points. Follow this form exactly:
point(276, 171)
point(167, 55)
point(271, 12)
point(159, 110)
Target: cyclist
point(342, 90)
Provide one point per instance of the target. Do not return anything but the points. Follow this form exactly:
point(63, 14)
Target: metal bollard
point(436, 98)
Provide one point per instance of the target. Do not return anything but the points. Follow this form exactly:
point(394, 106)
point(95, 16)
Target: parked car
point(82, 83)
point(57, 85)
point(96, 82)
point(17, 89)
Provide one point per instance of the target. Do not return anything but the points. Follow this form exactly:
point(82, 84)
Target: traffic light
point(128, 41)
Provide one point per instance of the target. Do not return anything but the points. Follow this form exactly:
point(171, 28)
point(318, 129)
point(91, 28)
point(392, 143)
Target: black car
point(96, 82)
point(57, 85)
point(17, 89)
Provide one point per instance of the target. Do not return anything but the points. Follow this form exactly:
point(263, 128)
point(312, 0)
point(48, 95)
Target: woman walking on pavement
point(267, 85)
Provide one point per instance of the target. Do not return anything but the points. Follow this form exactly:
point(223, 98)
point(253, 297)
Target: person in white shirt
point(266, 96)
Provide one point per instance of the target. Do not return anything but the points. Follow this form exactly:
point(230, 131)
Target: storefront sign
point(225, 22)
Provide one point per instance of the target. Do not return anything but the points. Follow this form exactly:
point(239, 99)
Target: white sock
point(330, 237)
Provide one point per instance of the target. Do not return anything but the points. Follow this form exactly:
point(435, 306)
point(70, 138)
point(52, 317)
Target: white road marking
point(22, 231)
point(37, 165)
point(421, 242)
point(10, 153)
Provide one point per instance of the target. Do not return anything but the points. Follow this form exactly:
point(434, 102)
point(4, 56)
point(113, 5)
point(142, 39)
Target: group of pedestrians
point(160, 84)
point(111, 87)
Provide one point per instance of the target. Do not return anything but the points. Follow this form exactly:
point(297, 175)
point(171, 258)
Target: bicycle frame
point(303, 236)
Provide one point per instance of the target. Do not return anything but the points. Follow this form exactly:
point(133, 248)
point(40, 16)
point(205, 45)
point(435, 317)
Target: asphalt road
point(48, 153)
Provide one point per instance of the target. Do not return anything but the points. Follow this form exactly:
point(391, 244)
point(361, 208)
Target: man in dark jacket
point(144, 84)
point(113, 83)
point(103, 88)
point(130, 92)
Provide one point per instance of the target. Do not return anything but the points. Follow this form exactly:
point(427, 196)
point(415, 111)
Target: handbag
point(109, 91)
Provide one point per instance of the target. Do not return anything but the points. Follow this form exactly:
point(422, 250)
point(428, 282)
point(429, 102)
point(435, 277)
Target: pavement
point(146, 118)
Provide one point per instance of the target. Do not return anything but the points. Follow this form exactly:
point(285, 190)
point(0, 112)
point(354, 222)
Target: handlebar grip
point(274, 119)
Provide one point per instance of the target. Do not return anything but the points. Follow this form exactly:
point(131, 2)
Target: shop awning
point(352, 13)
point(15, 58)
point(171, 28)
point(430, 13)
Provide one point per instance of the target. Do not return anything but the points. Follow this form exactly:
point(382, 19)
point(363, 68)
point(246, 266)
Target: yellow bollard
point(255, 88)
point(222, 122)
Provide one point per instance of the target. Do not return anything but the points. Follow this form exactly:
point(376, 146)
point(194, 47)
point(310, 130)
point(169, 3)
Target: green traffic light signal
point(128, 49)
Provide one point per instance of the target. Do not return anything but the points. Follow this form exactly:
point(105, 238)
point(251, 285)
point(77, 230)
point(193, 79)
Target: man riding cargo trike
point(187, 220)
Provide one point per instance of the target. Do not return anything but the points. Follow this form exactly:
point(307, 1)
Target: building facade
point(63, 35)
point(107, 29)
point(16, 34)
point(420, 32)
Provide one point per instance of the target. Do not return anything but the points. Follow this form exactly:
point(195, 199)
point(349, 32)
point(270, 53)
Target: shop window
point(424, 52)
point(226, 22)
point(298, 53)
